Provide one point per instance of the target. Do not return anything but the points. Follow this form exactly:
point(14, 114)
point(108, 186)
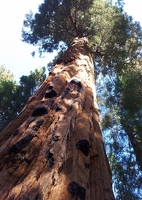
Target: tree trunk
point(134, 142)
point(54, 149)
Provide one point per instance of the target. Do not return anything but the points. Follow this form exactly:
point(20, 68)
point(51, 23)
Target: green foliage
point(121, 102)
point(13, 97)
point(29, 84)
point(112, 33)
point(127, 178)
point(64, 20)
point(7, 88)
point(130, 87)
point(132, 90)
point(5, 75)
point(57, 20)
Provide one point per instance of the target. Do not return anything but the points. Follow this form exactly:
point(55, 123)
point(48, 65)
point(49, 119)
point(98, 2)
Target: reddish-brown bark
point(54, 149)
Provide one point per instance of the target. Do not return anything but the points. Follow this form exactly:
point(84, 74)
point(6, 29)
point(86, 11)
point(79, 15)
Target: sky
point(15, 54)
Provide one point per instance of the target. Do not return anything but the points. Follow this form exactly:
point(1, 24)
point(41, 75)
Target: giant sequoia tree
point(54, 148)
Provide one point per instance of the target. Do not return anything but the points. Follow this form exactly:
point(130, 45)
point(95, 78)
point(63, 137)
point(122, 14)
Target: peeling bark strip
point(66, 160)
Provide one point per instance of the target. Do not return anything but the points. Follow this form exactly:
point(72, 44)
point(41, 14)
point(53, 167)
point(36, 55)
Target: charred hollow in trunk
point(54, 148)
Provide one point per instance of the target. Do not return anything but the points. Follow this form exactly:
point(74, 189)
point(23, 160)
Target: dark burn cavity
point(50, 94)
point(76, 82)
point(58, 109)
point(39, 111)
point(76, 190)
point(87, 165)
point(37, 125)
point(50, 158)
point(83, 146)
point(19, 146)
point(50, 73)
point(55, 138)
point(15, 132)
point(50, 87)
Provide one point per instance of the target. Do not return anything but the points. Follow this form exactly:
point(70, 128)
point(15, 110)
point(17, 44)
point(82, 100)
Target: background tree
point(120, 105)
point(7, 87)
point(124, 165)
point(5, 75)
point(28, 86)
point(13, 96)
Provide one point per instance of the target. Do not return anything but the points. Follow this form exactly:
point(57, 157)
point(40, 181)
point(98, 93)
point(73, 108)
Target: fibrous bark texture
point(54, 149)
